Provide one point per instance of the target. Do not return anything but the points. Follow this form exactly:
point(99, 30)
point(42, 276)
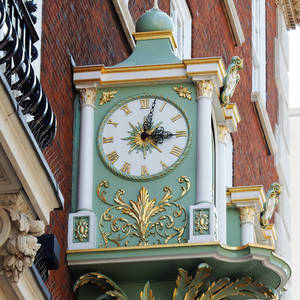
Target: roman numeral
point(144, 103)
point(162, 107)
point(181, 133)
point(113, 156)
point(108, 140)
point(176, 151)
point(126, 167)
point(144, 171)
point(126, 109)
point(113, 123)
point(163, 165)
point(175, 118)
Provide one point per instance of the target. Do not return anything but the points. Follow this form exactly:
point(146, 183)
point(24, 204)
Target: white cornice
point(234, 22)
point(123, 12)
point(211, 68)
point(265, 123)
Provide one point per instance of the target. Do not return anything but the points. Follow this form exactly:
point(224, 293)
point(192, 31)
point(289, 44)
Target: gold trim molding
point(153, 35)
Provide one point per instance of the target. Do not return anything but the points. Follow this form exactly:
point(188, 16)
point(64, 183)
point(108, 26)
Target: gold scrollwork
point(107, 96)
point(138, 220)
point(183, 92)
point(199, 287)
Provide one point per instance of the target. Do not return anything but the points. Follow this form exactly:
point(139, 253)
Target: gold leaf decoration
point(134, 222)
point(147, 294)
point(107, 96)
point(106, 285)
point(197, 287)
point(183, 92)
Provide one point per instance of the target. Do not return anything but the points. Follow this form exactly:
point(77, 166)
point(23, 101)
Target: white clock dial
point(140, 151)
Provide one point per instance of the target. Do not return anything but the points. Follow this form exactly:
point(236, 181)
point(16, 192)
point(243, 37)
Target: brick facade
point(90, 31)
point(78, 28)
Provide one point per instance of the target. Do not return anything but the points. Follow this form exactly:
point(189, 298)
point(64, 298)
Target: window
point(259, 50)
point(180, 14)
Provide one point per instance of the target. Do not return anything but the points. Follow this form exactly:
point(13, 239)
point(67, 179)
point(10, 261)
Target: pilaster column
point(82, 223)
point(204, 149)
point(247, 215)
point(221, 183)
point(86, 162)
point(203, 216)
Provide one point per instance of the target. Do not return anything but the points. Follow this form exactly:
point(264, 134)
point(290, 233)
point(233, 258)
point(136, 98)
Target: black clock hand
point(148, 120)
point(159, 135)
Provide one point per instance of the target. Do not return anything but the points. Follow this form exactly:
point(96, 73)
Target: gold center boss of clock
point(144, 138)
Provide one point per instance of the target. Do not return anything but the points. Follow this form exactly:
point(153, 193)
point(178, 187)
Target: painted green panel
point(145, 53)
point(233, 227)
point(131, 188)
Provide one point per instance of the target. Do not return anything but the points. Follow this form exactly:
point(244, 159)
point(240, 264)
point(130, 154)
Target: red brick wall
point(211, 37)
point(91, 32)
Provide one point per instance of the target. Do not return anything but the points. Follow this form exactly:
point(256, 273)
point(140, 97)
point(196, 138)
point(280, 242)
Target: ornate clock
point(144, 138)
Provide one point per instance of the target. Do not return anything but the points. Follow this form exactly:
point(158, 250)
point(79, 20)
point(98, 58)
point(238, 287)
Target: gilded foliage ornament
point(81, 229)
point(199, 287)
point(202, 221)
point(136, 221)
point(183, 92)
point(107, 97)
point(138, 144)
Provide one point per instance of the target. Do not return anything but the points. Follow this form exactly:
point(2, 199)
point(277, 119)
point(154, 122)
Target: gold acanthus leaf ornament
point(107, 96)
point(197, 287)
point(136, 221)
point(183, 92)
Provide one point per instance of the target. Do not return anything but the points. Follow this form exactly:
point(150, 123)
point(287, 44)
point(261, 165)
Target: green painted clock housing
point(117, 192)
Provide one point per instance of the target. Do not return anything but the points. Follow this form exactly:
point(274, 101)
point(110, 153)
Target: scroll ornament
point(134, 222)
point(18, 242)
point(231, 80)
point(199, 287)
point(270, 204)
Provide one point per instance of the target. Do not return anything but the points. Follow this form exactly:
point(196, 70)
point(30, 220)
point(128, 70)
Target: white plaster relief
point(18, 242)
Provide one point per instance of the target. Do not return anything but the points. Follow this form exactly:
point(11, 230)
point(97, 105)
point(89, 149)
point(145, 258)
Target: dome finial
point(155, 4)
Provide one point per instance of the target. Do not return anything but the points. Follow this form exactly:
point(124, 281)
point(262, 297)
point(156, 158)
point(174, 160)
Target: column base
point(203, 223)
point(81, 230)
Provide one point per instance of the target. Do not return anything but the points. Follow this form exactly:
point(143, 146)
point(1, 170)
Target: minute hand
point(159, 135)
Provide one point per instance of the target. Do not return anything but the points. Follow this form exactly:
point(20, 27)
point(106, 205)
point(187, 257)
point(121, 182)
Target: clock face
point(144, 138)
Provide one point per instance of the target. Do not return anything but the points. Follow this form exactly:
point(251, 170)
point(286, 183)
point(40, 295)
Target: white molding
point(234, 22)
point(265, 122)
point(123, 12)
point(185, 18)
point(25, 161)
point(190, 70)
point(27, 287)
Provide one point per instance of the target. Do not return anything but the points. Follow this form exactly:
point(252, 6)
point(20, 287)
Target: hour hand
point(160, 134)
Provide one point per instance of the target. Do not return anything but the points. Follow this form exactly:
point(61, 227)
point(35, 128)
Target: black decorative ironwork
point(17, 36)
point(159, 135)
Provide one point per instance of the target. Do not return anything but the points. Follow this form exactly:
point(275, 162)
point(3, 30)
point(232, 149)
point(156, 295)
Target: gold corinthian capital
point(204, 88)
point(88, 96)
point(247, 214)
